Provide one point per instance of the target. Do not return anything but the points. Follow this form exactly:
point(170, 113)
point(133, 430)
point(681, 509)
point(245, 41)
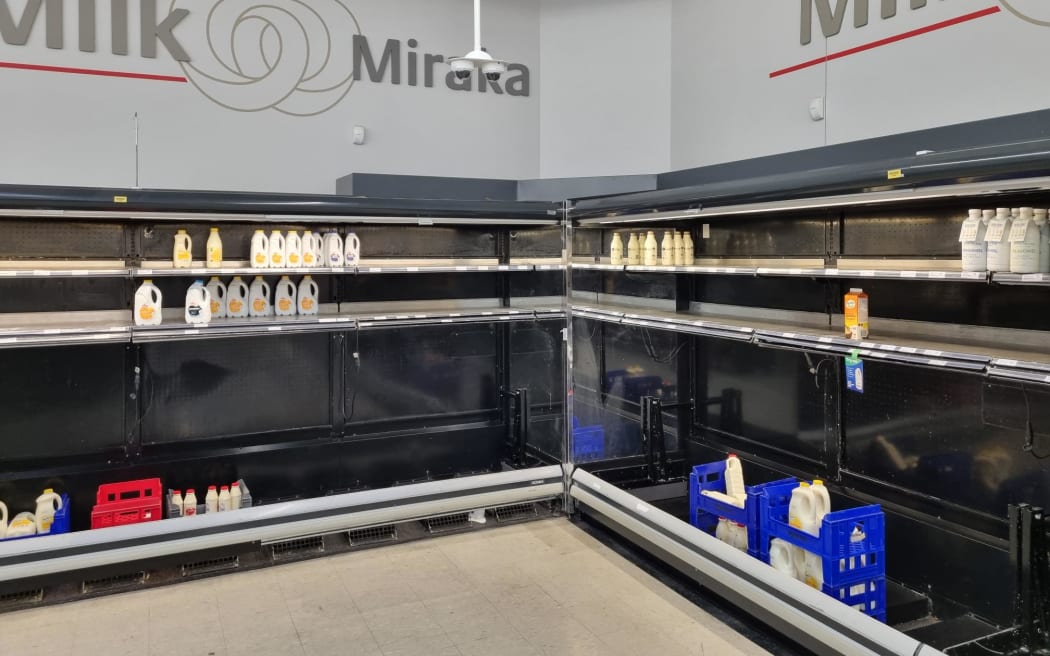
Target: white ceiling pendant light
point(477, 58)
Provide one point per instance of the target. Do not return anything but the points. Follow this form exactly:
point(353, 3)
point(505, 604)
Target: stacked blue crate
point(588, 442)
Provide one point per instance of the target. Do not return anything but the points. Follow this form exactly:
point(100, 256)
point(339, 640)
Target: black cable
point(145, 377)
point(1029, 443)
point(650, 349)
point(357, 362)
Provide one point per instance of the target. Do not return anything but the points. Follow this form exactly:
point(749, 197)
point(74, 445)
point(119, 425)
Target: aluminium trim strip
point(817, 617)
point(87, 549)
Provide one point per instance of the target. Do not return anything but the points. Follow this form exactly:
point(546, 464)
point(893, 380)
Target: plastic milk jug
point(211, 500)
point(650, 250)
point(198, 304)
point(735, 478)
point(616, 250)
point(1025, 240)
point(22, 525)
point(45, 510)
point(679, 249)
point(224, 499)
point(293, 250)
point(182, 257)
point(1044, 244)
point(687, 245)
point(3, 520)
point(260, 250)
point(284, 298)
point(997, 235)
point(237, 299)
point(214, 258)
point(667, 249)
point(218, 298)
point(189, 503)
point(148, 304)
point(235, 496)
point(633, 251)
point(259, 298)
point(308, 297)
point(974, 248)
point(353, 249)
point(276, 250)
point(333, 250)
point(311, 249)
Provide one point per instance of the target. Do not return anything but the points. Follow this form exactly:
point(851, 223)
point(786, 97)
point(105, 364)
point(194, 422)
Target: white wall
point(606, 87)
point(78, 130)
point(725, 106)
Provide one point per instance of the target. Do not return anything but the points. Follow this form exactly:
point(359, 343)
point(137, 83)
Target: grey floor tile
point(398, 623)
point(435, 645)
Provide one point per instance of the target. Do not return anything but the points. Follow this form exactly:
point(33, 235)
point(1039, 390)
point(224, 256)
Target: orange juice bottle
point(856, 311)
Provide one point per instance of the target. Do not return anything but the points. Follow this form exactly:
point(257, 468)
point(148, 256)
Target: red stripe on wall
point(888, 40)
point(92, 71)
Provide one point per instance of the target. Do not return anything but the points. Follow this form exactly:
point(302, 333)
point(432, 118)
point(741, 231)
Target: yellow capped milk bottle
point(679, 249)
point(649, 252)
point(667, 249)
point(218, 298)
point(308, 297)
point(214, 260)
point(183, 252)
point(1024, 243)
point(148, 305)
point(310, 250)
point(633, 251)
point(284, 297)
point(260, 250)
point(276, 250)
point(46, 506)
point(1041, 220)
point(998, 238)
point(616, 250)
point(293, 250)
point(237, 299)
point(974, 248)
point(259, 298)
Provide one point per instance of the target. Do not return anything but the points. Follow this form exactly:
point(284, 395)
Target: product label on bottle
point(184, 256)
point(308, 304)
point(277, 258)
point(1019, 231)
point(996, 230)
point(293, 258)
point(259, 305)
point(215, 307)
point(260, 258)
point(284, 304)
point(308, 258)
point(236, 306)
point(146, 312)
point(855, 374)
point(215, 256)
point(969, 231)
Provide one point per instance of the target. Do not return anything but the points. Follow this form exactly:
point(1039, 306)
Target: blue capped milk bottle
point(974, 248)
point(997, 237)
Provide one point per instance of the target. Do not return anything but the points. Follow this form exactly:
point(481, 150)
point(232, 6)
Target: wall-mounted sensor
point(359, 135)
point(816, 109)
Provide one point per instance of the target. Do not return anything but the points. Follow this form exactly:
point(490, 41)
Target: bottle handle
point(155, 295)
point(353, 242)
point(58, 498)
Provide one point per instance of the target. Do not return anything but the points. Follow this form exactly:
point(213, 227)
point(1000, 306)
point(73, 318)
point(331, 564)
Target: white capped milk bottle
point(997, 237)
point(218, 298)
point(182, 256)
point(308, 293)
point(616, 250)
point(649, 251)
point(667, 249)
point(974, 248)
point(214, 260)
point(679, 249)
point(148, 304)
point(1025, 238)
point(333, 250)
point(284, 297)
point(276, 250)
point(1044, 243)
point(310, 250)
point(259, 298)
point(198, 304)
point(293, 250)
point(237, 299)
point(633, 251)
point(260, 250)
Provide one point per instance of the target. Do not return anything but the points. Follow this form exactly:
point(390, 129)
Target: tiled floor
point(539, 588)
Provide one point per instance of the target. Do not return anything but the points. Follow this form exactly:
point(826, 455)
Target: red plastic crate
point(130, 502)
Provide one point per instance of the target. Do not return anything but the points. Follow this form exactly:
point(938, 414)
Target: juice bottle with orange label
point(856, 312)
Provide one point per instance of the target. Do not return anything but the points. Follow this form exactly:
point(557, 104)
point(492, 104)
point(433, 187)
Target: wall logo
point(297, 57)
point(1034, 11)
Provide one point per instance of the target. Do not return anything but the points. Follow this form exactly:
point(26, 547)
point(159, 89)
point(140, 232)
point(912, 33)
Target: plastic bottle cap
point(211, 488)
point(225, 488)
point(177, 492)
point(731, 455)
point(214, 229)
point(817, 481)
point(190, 491)
point(803, 484)
point(856, 290)
point(148, 281)
point(975, 214)
point(48, 491)
point(237, 484)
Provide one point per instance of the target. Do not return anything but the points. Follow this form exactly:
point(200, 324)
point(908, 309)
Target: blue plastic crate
point(59, 525)
point(705, 511)
point(588, 442)
point(852, 546)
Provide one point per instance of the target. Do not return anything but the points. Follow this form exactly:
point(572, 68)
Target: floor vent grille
point(112, 583)
point(297, 548)
point(18, 599)
point(373, 535)
point(446, 523)
point(211, 566)
point(515, 512)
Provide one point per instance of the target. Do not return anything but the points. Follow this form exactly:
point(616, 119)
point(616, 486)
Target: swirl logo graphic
point(1034, 11)
point(292, 56)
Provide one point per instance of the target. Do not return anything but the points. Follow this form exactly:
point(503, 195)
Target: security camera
point(493, 70)
point(462, 67)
